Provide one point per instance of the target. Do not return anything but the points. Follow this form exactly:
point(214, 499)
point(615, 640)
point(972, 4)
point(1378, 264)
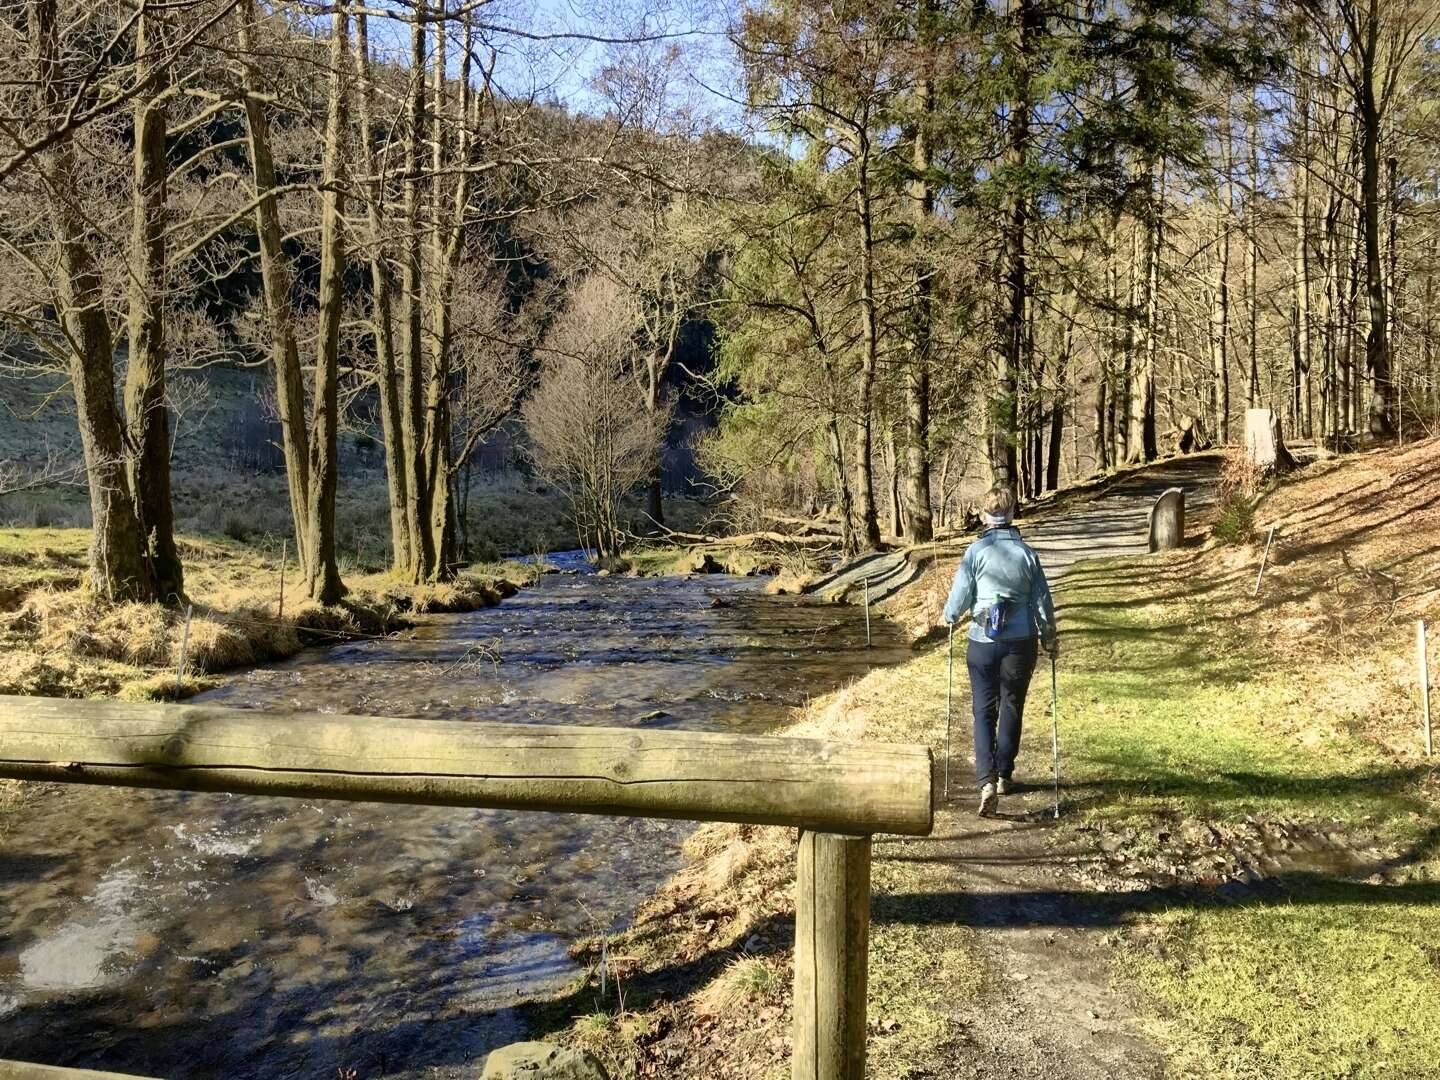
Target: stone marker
point(541, 1061)
point(1167, 521)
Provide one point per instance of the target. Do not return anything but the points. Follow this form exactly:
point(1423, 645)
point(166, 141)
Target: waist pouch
point(998, 614)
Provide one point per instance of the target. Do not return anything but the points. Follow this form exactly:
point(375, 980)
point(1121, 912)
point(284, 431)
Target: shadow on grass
point(1079, 908)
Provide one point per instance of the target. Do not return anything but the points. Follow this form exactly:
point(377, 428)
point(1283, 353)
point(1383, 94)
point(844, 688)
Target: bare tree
point(118, 567)
point(1373, 44)
point(586, 435)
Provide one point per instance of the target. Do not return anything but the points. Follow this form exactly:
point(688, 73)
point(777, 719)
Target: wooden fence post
point(832, 945)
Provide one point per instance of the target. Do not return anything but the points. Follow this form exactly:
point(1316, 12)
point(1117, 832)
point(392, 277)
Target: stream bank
point(194, 935)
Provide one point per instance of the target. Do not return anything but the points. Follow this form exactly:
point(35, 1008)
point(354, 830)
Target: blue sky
point(564, 65)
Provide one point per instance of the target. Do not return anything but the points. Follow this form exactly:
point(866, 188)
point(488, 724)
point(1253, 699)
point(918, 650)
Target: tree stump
point(1264, 443)
point(1188, 436)
point(1167, 521)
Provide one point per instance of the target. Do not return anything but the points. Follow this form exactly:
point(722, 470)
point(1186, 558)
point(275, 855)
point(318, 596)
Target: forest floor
point(1244, 880)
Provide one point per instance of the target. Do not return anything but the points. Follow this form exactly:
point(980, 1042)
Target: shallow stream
point(189, 935)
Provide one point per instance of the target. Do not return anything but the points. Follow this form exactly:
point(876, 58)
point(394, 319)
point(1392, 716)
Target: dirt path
point(1109, 521)
point(1047, 1008)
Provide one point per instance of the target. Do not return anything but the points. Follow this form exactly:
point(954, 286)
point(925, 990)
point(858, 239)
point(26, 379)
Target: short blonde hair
point(1000, 502)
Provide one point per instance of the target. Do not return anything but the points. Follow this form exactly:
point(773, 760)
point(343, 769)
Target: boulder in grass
point(541, 1061)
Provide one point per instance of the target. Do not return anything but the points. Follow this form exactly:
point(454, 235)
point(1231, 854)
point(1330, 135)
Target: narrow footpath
point(1046, 1007)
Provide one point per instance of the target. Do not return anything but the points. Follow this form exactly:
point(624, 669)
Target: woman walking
point(1000, 582)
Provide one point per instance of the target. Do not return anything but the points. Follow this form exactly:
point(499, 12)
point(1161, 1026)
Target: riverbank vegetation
point(1248, 861)
point(56, 640)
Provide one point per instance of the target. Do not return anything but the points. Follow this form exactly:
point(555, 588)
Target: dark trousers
point(999, 679)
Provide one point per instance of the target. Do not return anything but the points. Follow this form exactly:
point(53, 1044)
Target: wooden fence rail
point(837, 794)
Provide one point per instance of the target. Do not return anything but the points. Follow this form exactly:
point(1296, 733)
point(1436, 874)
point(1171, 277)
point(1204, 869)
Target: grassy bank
point(54, 641)
point(1247, 807)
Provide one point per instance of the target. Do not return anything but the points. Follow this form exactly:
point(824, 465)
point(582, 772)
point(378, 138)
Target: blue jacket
point(1001, 565)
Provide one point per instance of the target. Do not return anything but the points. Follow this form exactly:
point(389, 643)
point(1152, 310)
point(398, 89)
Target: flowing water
point(194, 935)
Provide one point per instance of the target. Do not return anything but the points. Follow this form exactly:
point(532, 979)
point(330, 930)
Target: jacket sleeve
point(962, 592)
point(1044, 606)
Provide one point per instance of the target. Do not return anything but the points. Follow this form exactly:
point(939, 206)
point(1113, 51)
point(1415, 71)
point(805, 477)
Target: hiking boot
point(989, 800)
point(1005, 786)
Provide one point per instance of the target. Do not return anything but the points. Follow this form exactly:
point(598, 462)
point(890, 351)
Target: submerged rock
point(541, 1061)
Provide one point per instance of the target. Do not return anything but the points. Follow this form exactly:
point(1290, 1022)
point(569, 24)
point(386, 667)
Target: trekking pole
point(867, 611)
point(1055, 730)
point(949, 700)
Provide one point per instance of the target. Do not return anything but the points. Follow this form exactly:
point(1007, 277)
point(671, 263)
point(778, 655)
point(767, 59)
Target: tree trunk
point(322, 576)
point(869, 522)
point(919, 522)
point(1304, 359)
point(275, 280)
point(1062, 392)
point(446, 240)
point(1122, 402)
point(654, 489)
point(1220, 332)
point(1377, 344)
point(435, 439)
point(1004, 419)
point(1101, 407)
point(1141, 438)
point(117, 570)
point(146, 415)
point(1252, 255)
point(383, 316)
point(412, 370)
point(1220, 304)
point(1350, 317)
point(836, 440)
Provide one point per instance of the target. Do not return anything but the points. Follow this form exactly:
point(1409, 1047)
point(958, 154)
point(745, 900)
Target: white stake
point(1424, 682)
point(867, 612)
point(184, 647)
point(284, 552)
point(1263, 559)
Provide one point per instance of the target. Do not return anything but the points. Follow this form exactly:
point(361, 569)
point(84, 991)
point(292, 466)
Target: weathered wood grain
point(832, 944)
point(809, 783)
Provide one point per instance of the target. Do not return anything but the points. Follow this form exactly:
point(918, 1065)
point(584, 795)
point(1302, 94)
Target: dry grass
point(917, 608)
point(1355, 562)
point(747, 981)
point(56, 641)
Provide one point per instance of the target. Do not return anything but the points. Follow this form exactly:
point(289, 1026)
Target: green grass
point(1341, 981)
point(1169, 709)
point(1168, 713)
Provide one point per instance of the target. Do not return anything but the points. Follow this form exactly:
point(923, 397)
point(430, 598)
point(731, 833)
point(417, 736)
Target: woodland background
point(324, 276)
